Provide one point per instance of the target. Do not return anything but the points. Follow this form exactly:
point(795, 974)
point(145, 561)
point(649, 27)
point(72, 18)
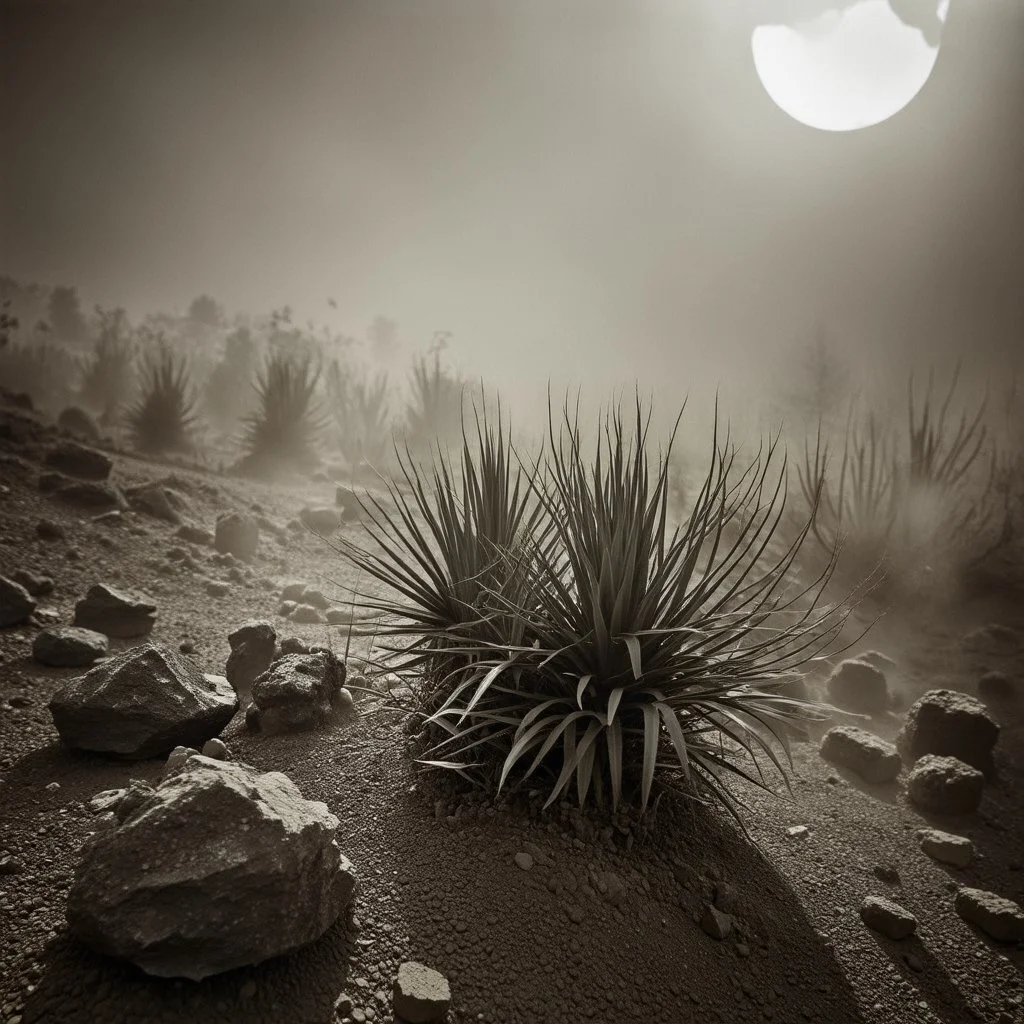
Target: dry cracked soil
point(439, 881)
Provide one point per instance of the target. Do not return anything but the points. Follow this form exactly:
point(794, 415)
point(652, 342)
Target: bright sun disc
point(845, 69)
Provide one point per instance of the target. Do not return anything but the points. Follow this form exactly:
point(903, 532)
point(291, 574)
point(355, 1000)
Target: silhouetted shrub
point(162, 419)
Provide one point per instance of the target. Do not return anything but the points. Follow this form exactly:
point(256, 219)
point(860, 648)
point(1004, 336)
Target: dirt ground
point(438, 881)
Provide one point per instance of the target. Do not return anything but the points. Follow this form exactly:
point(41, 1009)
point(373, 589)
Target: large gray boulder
point(142, 703)
point(871, 758)
point(857, 685)
point(298, 691)
point(121, 613)
point(221, 867)
point(252, 651)
point(950, 724)
point(945, 785)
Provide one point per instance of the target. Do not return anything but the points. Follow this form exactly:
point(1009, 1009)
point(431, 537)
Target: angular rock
point(949, 723)
point(107, 800)
point(871, 758)
point(252, 651)
point(153, 500)
point(298, 691)
point(999, 918)
point(221, 867)
point(323, 520)
point(193, 534)
point(142, 703)
point(946, 847)
point(888, 918)
point(237, 534)
point(47, 529)
point(37, 586)
point(859, 686)
point(69, 647)
point(945, 785)
point(716, 924)
point(91, 494)
point(79, 461)
point(421, 995)
point(16, 603)
point(119, 613)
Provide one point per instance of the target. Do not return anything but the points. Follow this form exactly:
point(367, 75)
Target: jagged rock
point(177, 758)
point(285, 608)
point(999, 918)
point(252, 651)
point(949, 723)
point(946, 847)
point(892, 920)
point(119, 613)
point(69, 647)
point(142, 703)
point(298, 691)
point(193, 534)
point(294, 645)
point(79, 461)
point(16, 603)
point(714, 923)
point(859, 686)
point(106, 800)
point(37, 586)
point(222, 866)
point(237, 534)
point(421, 995)
point(153, 500)
point(945, 785)
point(871, 758)
point(323, 520)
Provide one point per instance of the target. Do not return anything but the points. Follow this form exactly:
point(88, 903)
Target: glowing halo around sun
point(845, 69)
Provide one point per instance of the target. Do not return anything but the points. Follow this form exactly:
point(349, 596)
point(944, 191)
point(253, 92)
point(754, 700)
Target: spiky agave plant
point(435, 410)
point(618, 646)
point(162, 418)
point(283, 429)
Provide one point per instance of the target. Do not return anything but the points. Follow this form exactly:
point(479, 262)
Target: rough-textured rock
point(142, 703)
point(871, 758)
point(79, 461)
point(949, 723)
point(945, 785)
point(888, 918)
point(315, 597)
point(714, 923)
point(999, 918)
point(193, 534)
point(121, 613)
point(293, 590)
point(91, 494)
point(421, 995)
point(252, 651)
point(16, 603)
point(306, 613)
point(298, 691)
point(153, 500)
point(69, 647)
point(221, 867)
point(37, 586)
point(47, 529)
point(323, 520)
point(237, 534)
point(946, 847)
point(215, 748)
point(859, 686)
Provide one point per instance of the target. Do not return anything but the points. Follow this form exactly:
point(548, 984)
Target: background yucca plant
point(567, 629)
point(283, 430)
point(360, 407)
point(108, 375)
point(436, 405)
point(163, 419)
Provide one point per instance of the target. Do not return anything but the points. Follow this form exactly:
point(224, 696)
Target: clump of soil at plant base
point(437, 868)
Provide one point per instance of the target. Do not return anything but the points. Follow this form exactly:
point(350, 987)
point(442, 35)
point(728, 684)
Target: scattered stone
point(294, 645)
point(306, 613)
point(992, 639)
point(886, 873)
point(524, 861)
point(946, 847)
point(153, 500)
point(315, 597)
point(298, 691)
point(16, 603)
point(285, 608)
point(107, 800)
point(237, 534)
point(945, 785)
point(949, 723)
point(117, 613)
point(323, 520)
point(115, 517)
point(79, 461)
point(252, 651)
point(47, 529)
point(798, 831)
point(192, 534)
point(215, 748)
point(996, 686)
point(90, 494)
point(78, 422)
point(142, 703)
point(342, 1005)
point(859, 686)
point(217, 588)
point(421, 995)
point(226, 867)
point(871, 758)
point(715, 923)
point(10, 865)
point(177, 757)
point(37, 586)
point(137, 793)
point(999, 918)
point(892, 920)
point(69, 647)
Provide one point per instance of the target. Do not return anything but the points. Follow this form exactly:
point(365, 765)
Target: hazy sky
point(589, 187)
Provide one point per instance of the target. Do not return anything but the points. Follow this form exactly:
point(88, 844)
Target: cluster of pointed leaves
point(561, 625)
point(286, 424)
point(162, 418)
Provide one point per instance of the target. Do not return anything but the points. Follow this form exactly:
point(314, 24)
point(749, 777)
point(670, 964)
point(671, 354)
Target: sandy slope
point(439, 882)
